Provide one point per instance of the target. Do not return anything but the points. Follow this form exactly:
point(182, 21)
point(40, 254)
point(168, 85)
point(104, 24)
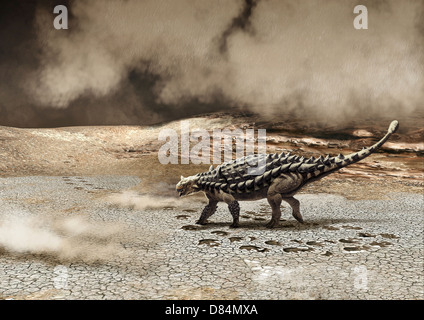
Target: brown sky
point(142, 62)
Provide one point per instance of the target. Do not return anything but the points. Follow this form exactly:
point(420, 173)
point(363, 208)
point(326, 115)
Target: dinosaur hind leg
point(274, 202)
point(295, 204)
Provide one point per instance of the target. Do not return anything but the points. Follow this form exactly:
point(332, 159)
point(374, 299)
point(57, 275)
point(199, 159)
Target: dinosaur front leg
point(274, 202)
point(207, 212)
point(295, 204)
point(234, 208)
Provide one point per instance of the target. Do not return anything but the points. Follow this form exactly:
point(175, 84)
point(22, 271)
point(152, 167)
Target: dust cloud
point(65, 239)
point(146, 61)
point(305, 56)
point(138, 201)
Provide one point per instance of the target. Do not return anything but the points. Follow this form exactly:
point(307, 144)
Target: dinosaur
point(283, 175)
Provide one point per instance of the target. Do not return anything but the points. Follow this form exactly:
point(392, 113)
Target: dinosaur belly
point(251, 196)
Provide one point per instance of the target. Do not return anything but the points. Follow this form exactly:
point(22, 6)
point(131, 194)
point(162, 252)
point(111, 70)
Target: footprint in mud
point(182, 217)
point(366, 235)
point(330, 241)
point(259, 219)
point(389, 236)
point(351, 227)
point(252, 238)
point(209, 242)
point(356, 248)
point(315, 243)
point(234, 239)
point(349, 240)
point(189, 210)
point(273, 243)
point(330, 228)
point(381, 244)
point(220, 233)
point(191, 227)
point(294, 249)
point(248, 247)
point(245, 216)
point(167, 207)
point(297, 241)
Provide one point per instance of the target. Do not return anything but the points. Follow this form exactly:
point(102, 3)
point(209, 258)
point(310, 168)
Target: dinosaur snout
point(180, 190)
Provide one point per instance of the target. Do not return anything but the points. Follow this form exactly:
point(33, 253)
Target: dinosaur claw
point(299, 218)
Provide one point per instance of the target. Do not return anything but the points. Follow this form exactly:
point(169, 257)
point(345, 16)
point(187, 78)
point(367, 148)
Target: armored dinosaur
point(283, 175)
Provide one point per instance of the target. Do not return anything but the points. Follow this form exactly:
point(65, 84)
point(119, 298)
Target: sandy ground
point(90, 213)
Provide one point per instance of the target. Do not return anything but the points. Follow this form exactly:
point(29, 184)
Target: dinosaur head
point(187, 186)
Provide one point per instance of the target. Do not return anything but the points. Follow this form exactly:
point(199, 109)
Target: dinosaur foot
point(299, 219)
point(271, 224)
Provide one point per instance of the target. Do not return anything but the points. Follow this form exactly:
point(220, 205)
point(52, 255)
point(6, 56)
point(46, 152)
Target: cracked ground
point(347, 249)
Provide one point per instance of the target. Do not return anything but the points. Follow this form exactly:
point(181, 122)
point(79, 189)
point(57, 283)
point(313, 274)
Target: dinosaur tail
point(332, 164)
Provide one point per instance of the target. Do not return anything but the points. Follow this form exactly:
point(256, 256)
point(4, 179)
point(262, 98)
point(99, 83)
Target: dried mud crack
point(161, 256)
